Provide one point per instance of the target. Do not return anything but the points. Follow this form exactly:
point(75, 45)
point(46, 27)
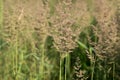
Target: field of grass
point(59, 40)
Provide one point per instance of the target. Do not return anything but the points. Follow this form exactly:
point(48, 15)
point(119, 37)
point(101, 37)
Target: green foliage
point(28, 51)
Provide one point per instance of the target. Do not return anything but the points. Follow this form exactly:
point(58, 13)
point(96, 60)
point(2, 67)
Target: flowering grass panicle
point(106, 29)
point(67, 23)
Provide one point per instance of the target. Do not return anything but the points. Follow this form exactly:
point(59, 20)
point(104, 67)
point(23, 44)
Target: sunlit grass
point(29, 51)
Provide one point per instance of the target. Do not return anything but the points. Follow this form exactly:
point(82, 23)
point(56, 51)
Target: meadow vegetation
point(59, 40)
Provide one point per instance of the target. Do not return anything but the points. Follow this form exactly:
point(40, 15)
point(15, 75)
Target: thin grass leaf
point(82, 45)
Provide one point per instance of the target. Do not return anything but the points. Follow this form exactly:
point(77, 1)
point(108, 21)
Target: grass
point(58, 40)
point(1, 13)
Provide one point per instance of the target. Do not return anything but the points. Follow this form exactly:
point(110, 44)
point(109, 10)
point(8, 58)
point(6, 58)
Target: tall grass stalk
point(92, 63)
point(64, 71)
point(42, 58)
point(42, 63)
point(113, 70)
point(16, 55)
point(60, 70)
point(67, 67)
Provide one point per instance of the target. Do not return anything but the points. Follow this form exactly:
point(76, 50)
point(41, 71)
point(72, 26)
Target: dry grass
point(67, 23)
point(106, 29)
point(33, 33)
